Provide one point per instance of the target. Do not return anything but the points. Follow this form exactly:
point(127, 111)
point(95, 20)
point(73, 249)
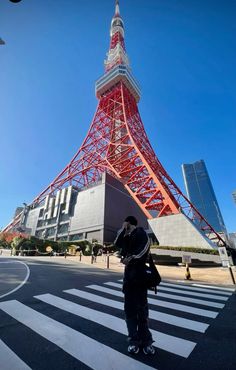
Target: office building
point(201, 194)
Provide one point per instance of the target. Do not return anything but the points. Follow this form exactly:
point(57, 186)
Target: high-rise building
point(201, 193)
point(234, 195)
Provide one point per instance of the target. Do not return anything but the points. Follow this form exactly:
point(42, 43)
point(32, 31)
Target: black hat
point(132, 220)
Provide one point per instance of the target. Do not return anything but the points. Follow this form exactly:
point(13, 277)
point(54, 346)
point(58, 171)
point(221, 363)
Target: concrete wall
point(89, 213)
point(118, 205)
point(32, 219)
point(178, 231)
point(100, 210)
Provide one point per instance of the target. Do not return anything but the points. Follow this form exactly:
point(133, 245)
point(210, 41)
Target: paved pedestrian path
point(200, 275)
point(211, 275)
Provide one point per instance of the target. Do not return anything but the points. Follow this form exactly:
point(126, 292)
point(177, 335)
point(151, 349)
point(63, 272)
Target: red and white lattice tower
point(118, 144)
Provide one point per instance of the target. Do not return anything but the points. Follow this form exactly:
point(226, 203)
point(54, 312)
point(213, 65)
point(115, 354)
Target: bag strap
point(151, 263)
point(150, 260)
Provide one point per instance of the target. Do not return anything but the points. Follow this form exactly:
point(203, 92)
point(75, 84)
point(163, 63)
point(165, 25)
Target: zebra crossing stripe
point(211, 287)
point(175, 345)
point(157, 302)
point(198, 289)
point(203, 295)
point(215, 287)
point(9, 360)
point(178, 297)
point(87, 350)
point(159, 316)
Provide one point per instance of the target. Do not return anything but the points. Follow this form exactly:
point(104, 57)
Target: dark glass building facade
point(201, 194)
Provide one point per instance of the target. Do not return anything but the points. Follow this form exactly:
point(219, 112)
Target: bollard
point(187, 273)
point(65, 254)
point(231, 273)
point(80, 256)
point(107, 260)
point(92, 258)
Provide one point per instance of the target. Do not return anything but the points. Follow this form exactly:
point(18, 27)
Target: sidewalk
point(212, 275)
point(200, 275)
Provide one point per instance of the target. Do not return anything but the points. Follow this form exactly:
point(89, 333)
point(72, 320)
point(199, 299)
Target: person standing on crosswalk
point(134, 247)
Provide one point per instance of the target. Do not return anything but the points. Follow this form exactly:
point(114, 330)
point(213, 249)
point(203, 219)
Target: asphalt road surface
point(58, 314)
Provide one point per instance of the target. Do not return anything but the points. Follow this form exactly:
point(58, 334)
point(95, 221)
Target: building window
point(39, 233)
point(63, 229)
point(62, 238)
point(51, 231)
point(64, 217)
point(40, 223)
point(41, 213)
point(76, 236)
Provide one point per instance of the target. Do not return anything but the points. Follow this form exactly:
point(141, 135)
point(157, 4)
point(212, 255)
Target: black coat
point(134, 246)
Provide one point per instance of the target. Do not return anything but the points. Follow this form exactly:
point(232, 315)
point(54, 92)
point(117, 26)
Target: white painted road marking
point(79, 345)
point(87, 350)
point(203, 295)
point(179, 297)
point(159, 316)
point(163, 341)
point(191, 287)
point(157, 302)
point(22, 283)
point(9, 360)
point(215, 287)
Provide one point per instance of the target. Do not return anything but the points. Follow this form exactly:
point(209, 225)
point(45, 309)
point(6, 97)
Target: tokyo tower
point(117, 143)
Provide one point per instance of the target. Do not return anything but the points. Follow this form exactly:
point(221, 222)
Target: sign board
point(49, 249)
point(225, 263)
point(223, 254)
point(186, 258)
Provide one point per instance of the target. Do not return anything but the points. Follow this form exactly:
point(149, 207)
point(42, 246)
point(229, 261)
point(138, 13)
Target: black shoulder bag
point(152, 276)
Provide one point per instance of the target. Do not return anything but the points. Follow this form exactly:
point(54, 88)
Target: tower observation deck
point(119, 73)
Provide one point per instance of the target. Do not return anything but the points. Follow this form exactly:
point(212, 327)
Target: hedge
point(187, 249)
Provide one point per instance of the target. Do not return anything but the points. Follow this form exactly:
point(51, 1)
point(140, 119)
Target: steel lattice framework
point(118, 144)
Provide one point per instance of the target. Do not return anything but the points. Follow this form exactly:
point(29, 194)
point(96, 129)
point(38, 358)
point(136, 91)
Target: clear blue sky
point(182, 53)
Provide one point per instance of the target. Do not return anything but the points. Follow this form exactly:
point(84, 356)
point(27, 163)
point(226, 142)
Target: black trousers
point(136, 316)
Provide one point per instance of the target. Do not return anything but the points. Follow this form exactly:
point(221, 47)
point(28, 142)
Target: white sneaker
point(133, 349)
point(149, 350)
